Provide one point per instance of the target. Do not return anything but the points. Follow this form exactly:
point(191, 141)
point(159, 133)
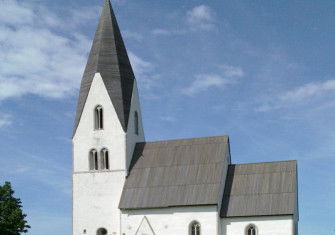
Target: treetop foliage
point(12, 219)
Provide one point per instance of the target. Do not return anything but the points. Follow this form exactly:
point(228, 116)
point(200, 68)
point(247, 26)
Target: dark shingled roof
point(176, 173)
point(260, 189)
point(108, 57)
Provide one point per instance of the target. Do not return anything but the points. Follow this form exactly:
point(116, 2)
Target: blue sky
point(260, 71)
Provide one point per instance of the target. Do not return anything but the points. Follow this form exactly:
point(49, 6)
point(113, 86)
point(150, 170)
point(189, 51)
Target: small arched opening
point(251, 230)
point(104, 155)
point(102, 231)
point(195, 228)
point(98, 118)
point(93, 160)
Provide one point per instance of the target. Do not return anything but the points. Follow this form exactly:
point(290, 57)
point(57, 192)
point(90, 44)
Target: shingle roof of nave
point(176, 173)
point(260, 189)
point(189, 172)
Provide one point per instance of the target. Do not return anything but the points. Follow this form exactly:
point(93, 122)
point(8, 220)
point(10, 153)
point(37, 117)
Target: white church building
point(123, 185)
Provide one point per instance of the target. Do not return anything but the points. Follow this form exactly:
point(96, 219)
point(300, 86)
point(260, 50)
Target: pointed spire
point(109, 57)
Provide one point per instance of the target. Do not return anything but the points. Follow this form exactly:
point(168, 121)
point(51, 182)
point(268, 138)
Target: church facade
point(123, 185)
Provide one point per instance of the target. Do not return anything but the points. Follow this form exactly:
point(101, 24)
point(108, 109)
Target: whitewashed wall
point(132, 138)
point(111, 137)
point(96, 195)
point(266, 225)
point(167, 221)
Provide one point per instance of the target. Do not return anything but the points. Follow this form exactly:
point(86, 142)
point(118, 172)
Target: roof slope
point(108, 57)
point(260, 189)
point(176, 173)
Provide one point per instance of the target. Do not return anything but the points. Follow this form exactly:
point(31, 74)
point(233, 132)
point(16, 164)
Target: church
point(123, 185)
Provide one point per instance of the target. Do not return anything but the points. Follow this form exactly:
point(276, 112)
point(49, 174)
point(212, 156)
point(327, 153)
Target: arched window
point(98, 118)
point(195, 228)
point(251, 230)
point(102, 231)
point(93, 160)
point(104, 159)
point(136, 122)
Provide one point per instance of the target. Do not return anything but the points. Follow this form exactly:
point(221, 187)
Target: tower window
point(195, 228)
point(136, 122)
point(98, 118)
point(104, 159)
point(251, 230)
point(93, 160)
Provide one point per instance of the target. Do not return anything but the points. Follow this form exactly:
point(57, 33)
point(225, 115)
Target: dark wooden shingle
point(108, 57)
point(260, 189)
point(176, 173)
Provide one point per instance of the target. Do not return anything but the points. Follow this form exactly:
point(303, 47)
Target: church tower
point(107, 127)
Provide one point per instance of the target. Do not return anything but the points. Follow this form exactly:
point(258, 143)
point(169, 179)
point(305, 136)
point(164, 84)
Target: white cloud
point(205, 81)
point(301, 95)
point(232, 71)
point(5, 120)
point(310, 90)
point(200, 17)
point(80, 16)
point(132, 35)
point(140, 66)
point(167, 32)
point(144, 71)
point(39, 59)
point(36, 59)
point(14, 14)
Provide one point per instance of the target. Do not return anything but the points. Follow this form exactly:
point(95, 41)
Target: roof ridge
point(248, 194)
point(180, 145)
point(180, 139)
point(255, 163)
point(166, 166)
point(262, 173)
point(171, 185)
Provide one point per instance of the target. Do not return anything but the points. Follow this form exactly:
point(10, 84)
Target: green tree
point(12, 219)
